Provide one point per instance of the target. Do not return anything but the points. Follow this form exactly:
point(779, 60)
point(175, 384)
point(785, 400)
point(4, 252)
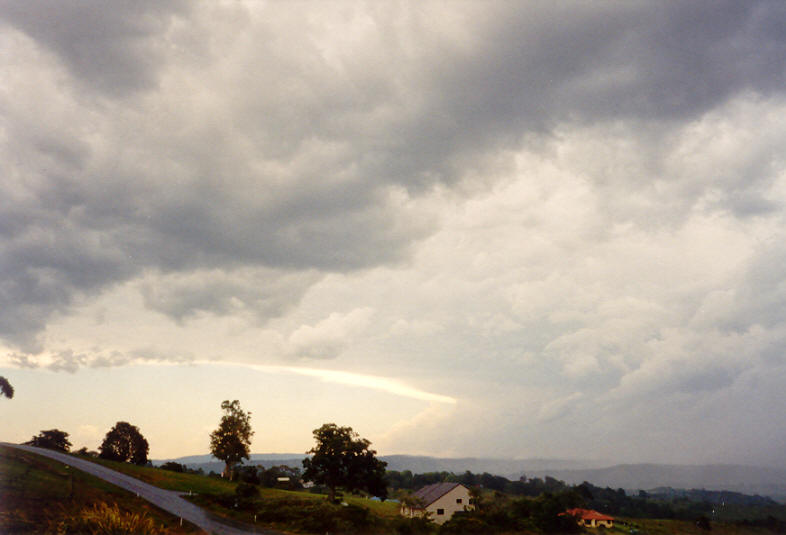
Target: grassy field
point(40, 495)
point(167, 479)
point(647, 526)
point(294, 511)
point(199, 484)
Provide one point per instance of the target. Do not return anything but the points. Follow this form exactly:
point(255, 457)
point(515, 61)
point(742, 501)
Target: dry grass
point(104, 519)
point(38, 494)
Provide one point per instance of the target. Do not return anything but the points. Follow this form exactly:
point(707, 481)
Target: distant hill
point(510, 468)
point(208, 463)
point(737, 478)
point(414, 463)
point(717, 497)
point(208, 458)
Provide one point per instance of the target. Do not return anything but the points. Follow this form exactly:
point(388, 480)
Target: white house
point(441, 500)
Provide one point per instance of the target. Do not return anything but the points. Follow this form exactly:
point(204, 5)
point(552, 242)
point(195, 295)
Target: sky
point(492, 229)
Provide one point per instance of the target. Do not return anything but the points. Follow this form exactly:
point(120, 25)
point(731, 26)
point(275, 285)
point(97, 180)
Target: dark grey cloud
point(263, 292)
point(584, 62)
point(284, 159)
point(113, 49)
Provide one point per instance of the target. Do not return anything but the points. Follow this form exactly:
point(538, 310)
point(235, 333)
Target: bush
point(173, 467)
point(53, 439)
point(104, 519)
point(470, 523)
point(304, 515)
point(248, 474)
point(412, 526)
point(246, 490)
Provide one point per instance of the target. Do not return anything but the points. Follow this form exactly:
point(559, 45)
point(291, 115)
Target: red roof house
point(590, 519)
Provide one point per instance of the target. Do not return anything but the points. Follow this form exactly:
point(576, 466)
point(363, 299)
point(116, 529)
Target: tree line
point(339, 460)
point(123, 442)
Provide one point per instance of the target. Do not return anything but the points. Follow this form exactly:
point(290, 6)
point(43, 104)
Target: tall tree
point(6, 388)
point(231, 441)
point(53, 439)
point(341, 459)
point(125, 443)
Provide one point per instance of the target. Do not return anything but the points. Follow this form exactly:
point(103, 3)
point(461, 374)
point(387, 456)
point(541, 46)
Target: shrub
point(104, 519)
point(248, 474)
point(412, 526)
point(53, 439)
point(246, 490)
point(173, 467)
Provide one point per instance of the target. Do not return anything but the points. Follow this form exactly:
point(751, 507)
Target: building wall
point(447, 503)
point(593, 523)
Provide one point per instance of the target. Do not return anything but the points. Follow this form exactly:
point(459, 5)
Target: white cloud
point(328, 337)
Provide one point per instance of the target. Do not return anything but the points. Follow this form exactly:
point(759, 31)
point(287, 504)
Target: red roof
point(588, 514)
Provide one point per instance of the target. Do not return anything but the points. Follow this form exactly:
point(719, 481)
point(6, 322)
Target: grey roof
point(431, 493)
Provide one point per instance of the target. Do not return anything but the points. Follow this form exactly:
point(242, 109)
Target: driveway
point(167, 500)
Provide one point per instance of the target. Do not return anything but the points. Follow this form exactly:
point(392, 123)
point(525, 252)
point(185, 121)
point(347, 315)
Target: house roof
point(588, 514)
point(431, 493)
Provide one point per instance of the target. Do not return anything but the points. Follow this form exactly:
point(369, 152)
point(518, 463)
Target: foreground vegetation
point(300, 511)
point(40, 495)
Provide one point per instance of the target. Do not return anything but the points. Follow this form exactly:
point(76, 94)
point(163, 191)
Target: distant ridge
point(208, 458)
point(510, 468)
point(738, 478)
point(750, 480)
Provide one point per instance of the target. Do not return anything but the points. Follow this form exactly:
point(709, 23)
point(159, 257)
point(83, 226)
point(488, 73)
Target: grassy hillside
point(292, 511)
point(40, 495)
point(646, 526)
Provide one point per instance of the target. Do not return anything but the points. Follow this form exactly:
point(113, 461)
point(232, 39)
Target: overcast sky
point(502, 229)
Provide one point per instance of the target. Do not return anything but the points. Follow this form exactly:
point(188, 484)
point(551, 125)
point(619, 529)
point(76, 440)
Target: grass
point(216, 495)
point(167, 479)
point(650, 526)
point(302, 512)
point(38, 494)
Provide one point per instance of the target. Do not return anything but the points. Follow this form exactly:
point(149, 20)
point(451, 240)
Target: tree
point(6, 388)
point(231, 441)
point(124, 443)
point(341, 459)
point(53, 439)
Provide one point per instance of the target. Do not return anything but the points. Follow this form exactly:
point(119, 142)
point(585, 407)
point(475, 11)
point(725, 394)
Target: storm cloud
point(577, 205)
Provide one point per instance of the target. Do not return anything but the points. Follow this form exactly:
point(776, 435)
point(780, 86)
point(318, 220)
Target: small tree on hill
point(231, 441)
point(124, 443)
point(341, 459)
point(53, 439)
point(5, 388)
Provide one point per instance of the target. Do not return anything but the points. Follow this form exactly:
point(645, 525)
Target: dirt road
point(167, 500)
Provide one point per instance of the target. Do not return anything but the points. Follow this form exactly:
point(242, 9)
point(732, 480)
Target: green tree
point(6, 388)
point(53, 439)
point(124, 443)
point(231, 441)
point(341, 459)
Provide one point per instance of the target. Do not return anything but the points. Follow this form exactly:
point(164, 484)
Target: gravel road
point(167, 500)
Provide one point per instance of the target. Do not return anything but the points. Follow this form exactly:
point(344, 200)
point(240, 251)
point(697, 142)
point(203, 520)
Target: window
point(440, 511)
point(458, 500)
